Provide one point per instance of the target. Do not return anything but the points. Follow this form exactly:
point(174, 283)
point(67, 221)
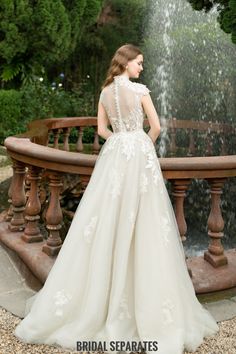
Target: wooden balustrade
point(40, 159)
point(173, 146)
point(208, 130)
point(10, 209)
point(18, 197)
point(33, 207)
point(79, 144)
point(66, 134)
point(96, 145)
point(192, 147)
point(215, 254)
point(56, 138)
point(179, 188)
point(54, 216)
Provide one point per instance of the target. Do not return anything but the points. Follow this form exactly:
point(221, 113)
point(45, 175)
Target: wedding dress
point(121, 273)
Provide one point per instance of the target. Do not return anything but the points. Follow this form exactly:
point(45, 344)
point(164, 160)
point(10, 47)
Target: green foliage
point(226, 10)
point(36, 35)
point(75, 11)
point(10, 113)
point(50, 39)
point(114, 27)
point(39, 99)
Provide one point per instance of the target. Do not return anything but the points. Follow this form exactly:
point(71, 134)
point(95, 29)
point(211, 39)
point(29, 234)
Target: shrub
point(11, 121)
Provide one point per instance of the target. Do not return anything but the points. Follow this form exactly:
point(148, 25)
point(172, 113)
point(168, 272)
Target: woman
point(120, 280)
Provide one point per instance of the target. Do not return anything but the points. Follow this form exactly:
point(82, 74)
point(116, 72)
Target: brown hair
point(119, 61)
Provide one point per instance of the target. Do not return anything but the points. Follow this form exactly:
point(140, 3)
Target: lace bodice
point(122, 102)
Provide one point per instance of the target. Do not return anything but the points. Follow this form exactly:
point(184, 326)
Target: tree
point(34, 34)
point(94, 51)
point(226, 10)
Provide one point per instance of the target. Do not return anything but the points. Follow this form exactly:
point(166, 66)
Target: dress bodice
point(122, 102)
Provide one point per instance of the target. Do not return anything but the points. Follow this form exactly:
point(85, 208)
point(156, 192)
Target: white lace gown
point(121, 273)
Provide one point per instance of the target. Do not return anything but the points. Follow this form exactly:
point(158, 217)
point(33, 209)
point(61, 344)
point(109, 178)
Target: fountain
point(191, 72)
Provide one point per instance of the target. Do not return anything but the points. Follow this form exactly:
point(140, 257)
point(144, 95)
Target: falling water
point(190, 68)
point(190, 65)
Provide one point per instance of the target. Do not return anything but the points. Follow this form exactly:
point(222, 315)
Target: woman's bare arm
point(152, 116)
point(103, 122)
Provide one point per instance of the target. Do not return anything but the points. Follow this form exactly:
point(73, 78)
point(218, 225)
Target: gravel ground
point(5, 172)
point(223, 343)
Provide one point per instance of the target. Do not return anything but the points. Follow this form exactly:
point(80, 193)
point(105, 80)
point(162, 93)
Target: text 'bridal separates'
point(121, 273)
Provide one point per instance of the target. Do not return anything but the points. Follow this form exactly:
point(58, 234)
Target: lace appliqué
point(132, 122)
point(124, 313)
point(128, 143)
point(61, 299)
point(128, 147)
point(167, 309)
point(152, 162)
point(143, 183)
point(116, 179)
point(166, 228)
point(89, 229)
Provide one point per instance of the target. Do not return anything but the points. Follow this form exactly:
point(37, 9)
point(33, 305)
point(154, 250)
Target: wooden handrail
point(24, 150)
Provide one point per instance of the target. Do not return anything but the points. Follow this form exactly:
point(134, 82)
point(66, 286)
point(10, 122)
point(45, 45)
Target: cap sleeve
point(145, 90)
point(142, 90)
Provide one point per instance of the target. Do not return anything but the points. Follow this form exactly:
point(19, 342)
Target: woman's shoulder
point(141, 88)
point(107, 88)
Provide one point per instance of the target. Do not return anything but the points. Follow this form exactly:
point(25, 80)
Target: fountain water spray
point(190, 65)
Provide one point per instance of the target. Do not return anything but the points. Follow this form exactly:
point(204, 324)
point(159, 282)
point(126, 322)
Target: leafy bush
point(43, 100)
point(39, 99)
point(11, 121)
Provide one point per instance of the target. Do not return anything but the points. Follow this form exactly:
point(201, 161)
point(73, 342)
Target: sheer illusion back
point(122, 101)
point(121, 273)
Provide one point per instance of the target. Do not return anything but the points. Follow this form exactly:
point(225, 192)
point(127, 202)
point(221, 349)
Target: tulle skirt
point(121, 274)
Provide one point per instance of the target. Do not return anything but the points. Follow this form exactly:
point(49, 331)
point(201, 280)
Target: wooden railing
point(207, 130)
point(32, 158)
point(40, 131)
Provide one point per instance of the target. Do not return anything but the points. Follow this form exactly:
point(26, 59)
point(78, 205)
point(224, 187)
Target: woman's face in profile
point(135, 66)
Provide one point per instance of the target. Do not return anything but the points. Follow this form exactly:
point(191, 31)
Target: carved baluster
point(18, 197)
point(48, 138)
point(66, 134)
point(96, 145)
point(173, 136)
point(10, 209)
point(27, 185)
point(179, 188)
point(56, 133)
point(191, 149)
point(33, 207)
point(54, 216)
point(79, 144)
point(215, 254)
point(223, 150)
point(172, 140)
point(209, 144)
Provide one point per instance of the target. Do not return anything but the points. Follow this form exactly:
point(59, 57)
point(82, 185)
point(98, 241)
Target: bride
point(120, 281)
